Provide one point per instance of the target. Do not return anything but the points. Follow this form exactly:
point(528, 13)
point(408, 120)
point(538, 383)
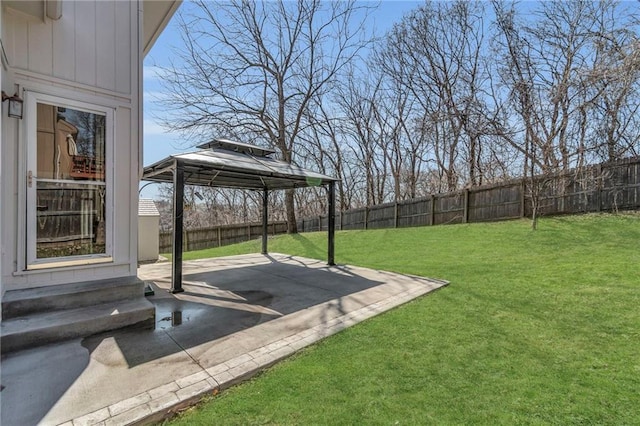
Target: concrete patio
point(237, 316)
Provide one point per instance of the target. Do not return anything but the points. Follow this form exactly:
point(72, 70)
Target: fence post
point(219, 237)
point(366, 217)
point(465, 214)
point(395, 215)
point(341, 220)
point(523, 189)
point(600, 178)
point(319, 223)
point(432, 216)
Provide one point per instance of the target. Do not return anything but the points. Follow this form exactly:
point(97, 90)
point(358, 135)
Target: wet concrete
point(230, 307)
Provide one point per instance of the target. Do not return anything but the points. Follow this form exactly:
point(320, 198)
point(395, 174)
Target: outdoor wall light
point(15, 105)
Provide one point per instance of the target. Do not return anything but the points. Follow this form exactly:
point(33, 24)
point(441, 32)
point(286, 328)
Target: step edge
point(64, 289)
point(22, 341)
point(123, 308)
point(17, 307)
point(16, 340)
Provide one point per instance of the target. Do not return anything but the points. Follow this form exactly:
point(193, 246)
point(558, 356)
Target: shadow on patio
point(223, 301)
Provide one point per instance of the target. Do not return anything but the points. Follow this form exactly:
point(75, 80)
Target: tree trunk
point(292, 225)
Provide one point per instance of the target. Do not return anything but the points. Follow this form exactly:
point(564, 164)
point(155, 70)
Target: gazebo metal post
point(178, 216)
point(331, 225)
point(265, 219)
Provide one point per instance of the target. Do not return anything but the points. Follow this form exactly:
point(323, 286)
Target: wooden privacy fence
point(603, 187)
point(217, 236)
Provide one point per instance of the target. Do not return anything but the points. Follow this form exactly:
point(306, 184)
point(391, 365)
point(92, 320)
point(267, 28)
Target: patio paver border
point(166, 400)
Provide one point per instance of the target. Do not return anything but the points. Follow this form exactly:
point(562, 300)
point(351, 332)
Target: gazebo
point(229, 164)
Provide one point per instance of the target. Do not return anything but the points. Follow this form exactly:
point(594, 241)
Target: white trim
point(67, 268)
point(28, 255)
point(137, 52)
point(21, 237)
point(29, 142)
point(77, 261)
point(3, 68)
point(61, 87)
point(11, 10)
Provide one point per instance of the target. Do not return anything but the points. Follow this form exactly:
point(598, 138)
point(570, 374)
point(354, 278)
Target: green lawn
point(536, 327)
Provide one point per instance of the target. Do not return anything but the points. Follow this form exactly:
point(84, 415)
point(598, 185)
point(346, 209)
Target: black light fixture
point(15, 105)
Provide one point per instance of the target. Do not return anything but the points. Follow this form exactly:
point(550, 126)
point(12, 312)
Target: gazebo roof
point(229, 164)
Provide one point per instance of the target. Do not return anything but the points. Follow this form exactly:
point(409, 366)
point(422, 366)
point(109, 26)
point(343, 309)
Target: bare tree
point(358, 101)
point(435, 53)
point(323, 149)
point(570, 72)
point(252, 68)
point(615, 84)
point(392, 111)
point(517, 75)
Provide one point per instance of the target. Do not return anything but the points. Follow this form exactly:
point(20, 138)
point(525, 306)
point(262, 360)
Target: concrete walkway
point(237, 316)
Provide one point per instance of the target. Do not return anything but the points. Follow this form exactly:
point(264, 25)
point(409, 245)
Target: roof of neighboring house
point(146, 207)
point(229, 164)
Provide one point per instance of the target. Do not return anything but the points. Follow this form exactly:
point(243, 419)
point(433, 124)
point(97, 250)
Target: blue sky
point(157, 142)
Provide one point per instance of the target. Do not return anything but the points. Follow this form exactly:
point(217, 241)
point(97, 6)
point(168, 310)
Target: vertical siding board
point(17, 47)
point(122, 183)
point(122, 52)
point(105, 45)
point(64, 43)
point(16, 35)
point(85, 24)
point(41, 47)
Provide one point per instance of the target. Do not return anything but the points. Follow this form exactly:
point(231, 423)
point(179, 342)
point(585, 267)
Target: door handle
point(30, 179)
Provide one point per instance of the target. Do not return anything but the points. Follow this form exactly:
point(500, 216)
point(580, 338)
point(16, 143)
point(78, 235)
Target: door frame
point(28, 200)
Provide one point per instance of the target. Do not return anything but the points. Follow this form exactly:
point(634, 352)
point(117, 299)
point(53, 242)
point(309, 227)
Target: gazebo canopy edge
point(206, 169)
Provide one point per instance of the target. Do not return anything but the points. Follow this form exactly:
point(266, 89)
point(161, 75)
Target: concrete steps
point(44, 315)
point(18, 303)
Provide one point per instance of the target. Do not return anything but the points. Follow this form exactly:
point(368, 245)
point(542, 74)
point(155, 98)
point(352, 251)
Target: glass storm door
point(66, 183)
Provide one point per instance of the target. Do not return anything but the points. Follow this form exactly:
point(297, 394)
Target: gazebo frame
point(228, 164)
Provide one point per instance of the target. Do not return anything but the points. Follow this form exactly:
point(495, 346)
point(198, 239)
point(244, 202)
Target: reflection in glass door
point(68, 184)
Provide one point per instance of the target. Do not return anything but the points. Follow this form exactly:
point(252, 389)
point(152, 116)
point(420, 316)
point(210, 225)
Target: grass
point(535, 328)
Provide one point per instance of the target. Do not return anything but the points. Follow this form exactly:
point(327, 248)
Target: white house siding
point(91, 54)
point(2, 205)
point(90, 44)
